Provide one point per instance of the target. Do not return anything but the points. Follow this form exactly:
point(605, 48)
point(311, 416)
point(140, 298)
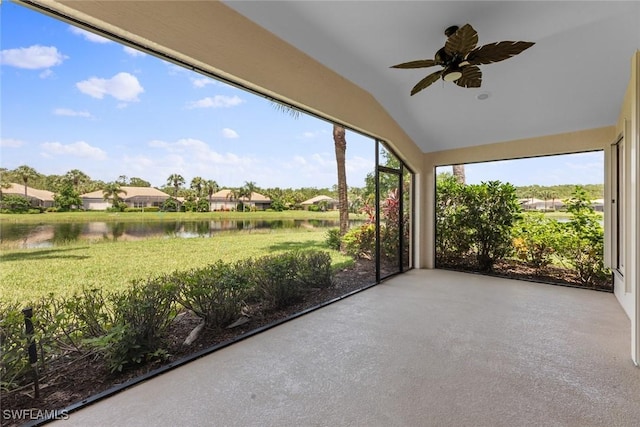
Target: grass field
point(27, 274)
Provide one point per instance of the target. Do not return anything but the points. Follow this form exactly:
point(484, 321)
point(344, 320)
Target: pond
point(53, 234)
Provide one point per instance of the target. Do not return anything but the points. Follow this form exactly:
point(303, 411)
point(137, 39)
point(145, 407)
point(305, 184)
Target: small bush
point(283, 279)
point(332, 238)
point(14, 363)
point(360, 242)
point(133, 209)
point(142, 315)
point(582, 243)
point(535, 239)
point(15, 204)
point(214, 293)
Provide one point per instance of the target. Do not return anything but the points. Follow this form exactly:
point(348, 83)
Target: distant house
point(222, 201)
point(598, 205)
point(326, 201)
point(533, 204)
point(135, 197)
point(38, 198)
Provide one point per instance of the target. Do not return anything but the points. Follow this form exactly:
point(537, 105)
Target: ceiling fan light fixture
point(452, 74)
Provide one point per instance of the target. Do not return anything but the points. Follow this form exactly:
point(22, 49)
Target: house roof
point(18, 189)
point(130, 192)
point(318, 199)
point(255, 197)
point(333, 59)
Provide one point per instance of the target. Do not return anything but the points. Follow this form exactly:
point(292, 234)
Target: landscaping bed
point(70, 380)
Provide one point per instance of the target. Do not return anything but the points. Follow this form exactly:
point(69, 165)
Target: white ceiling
point(573, 78)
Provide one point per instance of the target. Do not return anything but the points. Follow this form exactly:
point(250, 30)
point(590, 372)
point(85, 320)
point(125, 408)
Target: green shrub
point(582, 243)
point(133, 210)
point(283, 279)
point(15, 204)
point(214, 293)
point(314, 208)
point(491, 210)
point(360, 242)
point(453, 237)
point(536, 239)
point(142, 314)
point(14, 363)
point(314, 269)
point(332, 238)
point(151, 209)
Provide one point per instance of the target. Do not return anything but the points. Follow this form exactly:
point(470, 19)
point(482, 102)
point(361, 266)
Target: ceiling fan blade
point(462, 41)
point(471, 77)
point(422, 63)
point(427, 81)
point(495, 52)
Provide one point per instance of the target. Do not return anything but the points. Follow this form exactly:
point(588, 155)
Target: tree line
point(72, 184)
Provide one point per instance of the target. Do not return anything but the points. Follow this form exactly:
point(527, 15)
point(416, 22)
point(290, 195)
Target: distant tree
point(247, 190)
point(176, 180)
point(4, 180)
point(138, 182)
point(122, 180)
point(77, 178)
point(26, 173)
point(112, 190)
point(14, 203)
point(197, 183)
point(67, 197)
point(212, 187)
point(234, 195)
point(340, 145)
point(458, 173)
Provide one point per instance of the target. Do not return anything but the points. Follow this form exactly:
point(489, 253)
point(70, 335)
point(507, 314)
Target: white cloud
point(71, 113)
point(89, 36)
point(122, 86)
point(230, 133)
point(46, 73)
point(202, 82)
point(218, 101)
point(132, 52)
point(32, 57)
point(76, 149)
point(11, 143)
point(192, 157)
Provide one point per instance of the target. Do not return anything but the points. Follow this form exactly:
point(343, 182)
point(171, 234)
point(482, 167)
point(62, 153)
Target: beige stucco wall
point(627, 286)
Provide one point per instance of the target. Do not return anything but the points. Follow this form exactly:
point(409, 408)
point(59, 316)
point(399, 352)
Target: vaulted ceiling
point(573, 78)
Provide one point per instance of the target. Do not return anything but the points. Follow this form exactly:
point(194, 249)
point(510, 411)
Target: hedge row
point(129, 327)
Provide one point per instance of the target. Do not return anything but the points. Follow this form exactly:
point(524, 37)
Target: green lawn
point(27, 274)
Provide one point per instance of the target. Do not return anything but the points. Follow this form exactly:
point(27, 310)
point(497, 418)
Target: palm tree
point(26, 173)
point(458, 173)
point(340, 143)
point(77, 177)
point(112, 190)
point(248, 189)
point(212, 187)
point(176, 180)
point(4, 180)
point(234, 195)
point(196, 184)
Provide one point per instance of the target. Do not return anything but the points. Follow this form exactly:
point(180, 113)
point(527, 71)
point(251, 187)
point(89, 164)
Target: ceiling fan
point(460, 58)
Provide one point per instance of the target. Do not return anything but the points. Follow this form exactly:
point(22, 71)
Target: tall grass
point(27, 274)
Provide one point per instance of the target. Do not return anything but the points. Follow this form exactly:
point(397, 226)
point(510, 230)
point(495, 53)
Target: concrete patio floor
point(427, 348)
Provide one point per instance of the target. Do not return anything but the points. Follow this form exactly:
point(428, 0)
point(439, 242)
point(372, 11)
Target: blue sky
point(73, 100)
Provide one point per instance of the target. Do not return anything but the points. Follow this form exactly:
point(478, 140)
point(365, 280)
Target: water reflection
point(48, 235)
